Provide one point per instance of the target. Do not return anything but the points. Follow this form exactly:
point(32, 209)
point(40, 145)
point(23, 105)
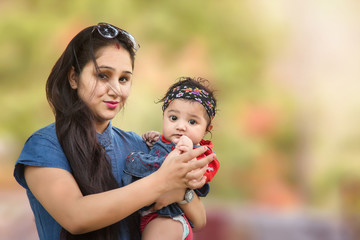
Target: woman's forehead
point(114, 57)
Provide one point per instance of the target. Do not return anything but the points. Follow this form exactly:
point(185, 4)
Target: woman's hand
point(193, 179)
point(177, 195)
point(179, 172)
point(196, 178)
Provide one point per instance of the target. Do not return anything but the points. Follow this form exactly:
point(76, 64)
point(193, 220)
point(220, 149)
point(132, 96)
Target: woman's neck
point(100, 127)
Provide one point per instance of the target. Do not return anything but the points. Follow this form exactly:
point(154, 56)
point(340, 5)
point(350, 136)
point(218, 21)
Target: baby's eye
point(192, 122)
point(102, 76)
point(173, 118)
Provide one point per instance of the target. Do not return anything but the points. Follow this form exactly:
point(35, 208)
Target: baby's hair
point(193, 83)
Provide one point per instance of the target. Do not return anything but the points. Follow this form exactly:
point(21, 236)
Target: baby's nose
point(181, 126)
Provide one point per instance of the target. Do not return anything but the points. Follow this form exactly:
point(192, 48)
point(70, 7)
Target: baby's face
point(184, 117)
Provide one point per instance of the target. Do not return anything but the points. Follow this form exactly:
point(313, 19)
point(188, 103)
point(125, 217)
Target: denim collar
point(105, 137)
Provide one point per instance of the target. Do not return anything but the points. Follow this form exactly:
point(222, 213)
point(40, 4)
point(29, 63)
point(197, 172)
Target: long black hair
point(75, 127)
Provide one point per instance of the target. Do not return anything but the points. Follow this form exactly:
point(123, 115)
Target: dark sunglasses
point(109, 31)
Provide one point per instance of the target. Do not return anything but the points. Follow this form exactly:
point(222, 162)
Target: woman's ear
point(73, 78)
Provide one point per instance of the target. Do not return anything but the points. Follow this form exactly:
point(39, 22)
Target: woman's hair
point(74, 122)
point(192, 89)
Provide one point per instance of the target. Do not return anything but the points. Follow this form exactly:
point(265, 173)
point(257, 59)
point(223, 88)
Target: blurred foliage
point(257, 136)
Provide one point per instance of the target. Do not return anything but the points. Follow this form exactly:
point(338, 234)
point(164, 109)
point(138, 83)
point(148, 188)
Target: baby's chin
point(175, 140)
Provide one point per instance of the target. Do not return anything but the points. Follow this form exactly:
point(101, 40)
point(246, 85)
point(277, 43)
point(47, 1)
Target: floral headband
point(197, 94)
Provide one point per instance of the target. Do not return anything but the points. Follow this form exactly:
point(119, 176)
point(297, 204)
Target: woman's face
point(105, 92)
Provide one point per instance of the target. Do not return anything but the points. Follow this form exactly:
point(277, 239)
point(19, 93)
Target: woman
point(72, 168)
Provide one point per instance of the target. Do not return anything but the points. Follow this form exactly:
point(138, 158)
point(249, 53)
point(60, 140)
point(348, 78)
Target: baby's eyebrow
point(195, 116)
point(173, 111)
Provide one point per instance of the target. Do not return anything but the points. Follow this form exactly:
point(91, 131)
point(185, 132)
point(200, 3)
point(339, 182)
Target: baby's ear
point(210, 128)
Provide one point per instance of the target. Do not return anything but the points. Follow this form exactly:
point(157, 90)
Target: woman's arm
point(58, 192)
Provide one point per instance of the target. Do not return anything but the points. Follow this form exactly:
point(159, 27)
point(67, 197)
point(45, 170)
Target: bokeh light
point(286, 73)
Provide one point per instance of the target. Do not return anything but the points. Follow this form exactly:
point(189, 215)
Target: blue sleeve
point(140, 143)
point(203, 191)
point(140, 164)
point(40, 150)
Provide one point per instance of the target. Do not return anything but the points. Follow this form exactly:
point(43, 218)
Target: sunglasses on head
point(109, 31)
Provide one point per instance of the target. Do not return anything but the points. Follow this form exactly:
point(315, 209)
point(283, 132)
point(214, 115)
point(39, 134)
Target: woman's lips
point(111, 104)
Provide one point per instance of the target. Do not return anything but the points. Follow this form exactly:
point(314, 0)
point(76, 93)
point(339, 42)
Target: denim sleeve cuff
point(203, 191)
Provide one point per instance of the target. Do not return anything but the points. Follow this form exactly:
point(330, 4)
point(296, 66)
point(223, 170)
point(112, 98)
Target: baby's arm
point(150, 138)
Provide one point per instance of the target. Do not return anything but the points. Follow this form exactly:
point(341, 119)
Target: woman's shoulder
point(41, 149)
point(43, 139)
point(47, 131)
point(44, 136)
point(126, 134)
point(129, 138)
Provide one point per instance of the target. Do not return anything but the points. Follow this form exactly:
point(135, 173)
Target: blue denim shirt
point(43, 149)
point(142, 164)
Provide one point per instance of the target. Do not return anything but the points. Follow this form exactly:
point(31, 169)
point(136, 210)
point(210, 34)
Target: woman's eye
point(123, 79)
point(102, 76)
point(192, 122)
point(173, 118)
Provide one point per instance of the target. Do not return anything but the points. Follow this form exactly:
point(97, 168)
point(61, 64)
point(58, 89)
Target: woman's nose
point(114, 89)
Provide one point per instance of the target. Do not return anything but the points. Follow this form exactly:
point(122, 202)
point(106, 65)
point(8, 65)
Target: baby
point(188, 110)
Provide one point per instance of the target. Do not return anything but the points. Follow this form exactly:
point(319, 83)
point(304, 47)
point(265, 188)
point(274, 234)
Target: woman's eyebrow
point(107, 67)
point(113, 69)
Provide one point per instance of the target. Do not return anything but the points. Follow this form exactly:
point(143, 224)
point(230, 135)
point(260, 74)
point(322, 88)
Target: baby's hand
point(151, 137)
point(184, 144)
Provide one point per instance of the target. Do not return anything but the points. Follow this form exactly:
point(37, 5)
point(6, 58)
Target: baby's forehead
point(188, 105)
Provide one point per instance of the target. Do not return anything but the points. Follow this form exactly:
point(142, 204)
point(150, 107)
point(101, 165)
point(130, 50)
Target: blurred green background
point(286, 73)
